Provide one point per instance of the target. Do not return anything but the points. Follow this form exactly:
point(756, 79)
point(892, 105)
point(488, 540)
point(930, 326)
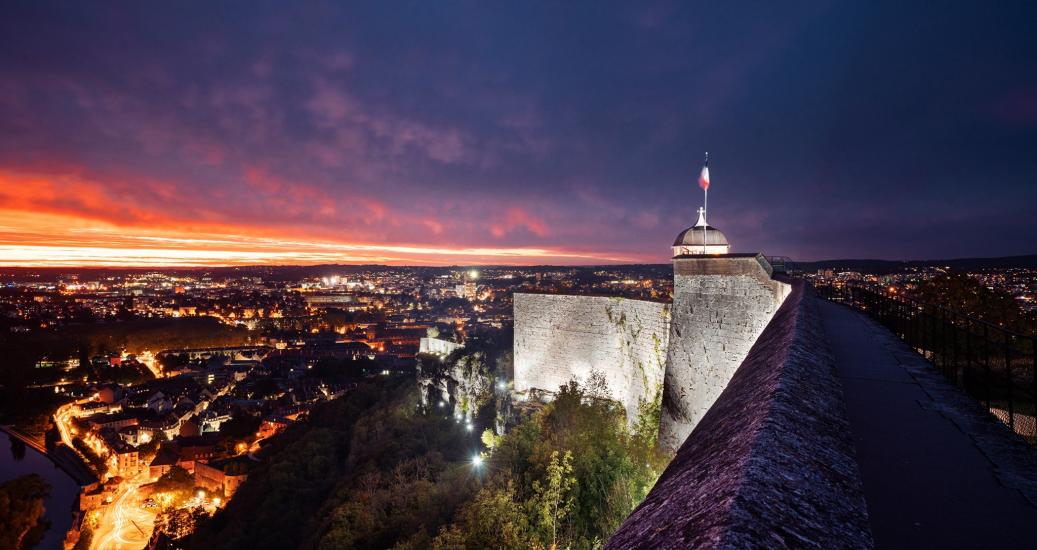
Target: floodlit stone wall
point(558, 338)
point(771, 465)
point(689, 350)
point(437, 346)
point(720, 307)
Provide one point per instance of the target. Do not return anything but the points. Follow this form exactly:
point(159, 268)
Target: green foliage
point(96, 463)
point(178, 522)
point(407, 474)
point(21, 511)
point(489, 439)
point(154, 334)
point(491, 520)
point(178, 483)
point(573, 471)
point(365, 471)
point(553, 499)
point(372, 471)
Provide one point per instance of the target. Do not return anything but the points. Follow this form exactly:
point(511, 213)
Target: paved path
point(926, 482)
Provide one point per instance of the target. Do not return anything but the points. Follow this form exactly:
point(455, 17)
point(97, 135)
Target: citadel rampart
point(558, 338)
point(721, 304)
point(771, 464)
point(684, 354)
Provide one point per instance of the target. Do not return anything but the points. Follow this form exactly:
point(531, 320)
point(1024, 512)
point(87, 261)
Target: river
point(18, 459)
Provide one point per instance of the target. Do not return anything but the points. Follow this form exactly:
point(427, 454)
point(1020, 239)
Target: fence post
point(943, 339)
point(968, 348)
point(920, 328)
point(932, 338)
point(954, 347)
point(986, 362)
point(1008, 373)
point(1033, 391)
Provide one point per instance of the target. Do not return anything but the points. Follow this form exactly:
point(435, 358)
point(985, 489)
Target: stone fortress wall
point(720, 307)
point(559, 337)
point(771, 464)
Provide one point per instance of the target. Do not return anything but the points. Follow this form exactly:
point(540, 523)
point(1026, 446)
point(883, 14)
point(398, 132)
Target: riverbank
point(17, 458)
point(64, 458)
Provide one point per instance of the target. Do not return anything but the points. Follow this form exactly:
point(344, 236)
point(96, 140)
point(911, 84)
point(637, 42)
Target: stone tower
point(721, 304)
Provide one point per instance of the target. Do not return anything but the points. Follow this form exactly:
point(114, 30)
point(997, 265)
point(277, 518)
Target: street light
point(477, 461)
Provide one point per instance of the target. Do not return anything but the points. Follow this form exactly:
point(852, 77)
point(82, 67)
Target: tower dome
point(701, 239)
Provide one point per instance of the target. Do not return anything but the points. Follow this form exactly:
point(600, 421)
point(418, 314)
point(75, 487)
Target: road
point(63, 419)
point(148, 360)
point(124, 524)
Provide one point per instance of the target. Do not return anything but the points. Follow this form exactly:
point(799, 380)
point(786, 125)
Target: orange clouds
point(70, 221)
point(516, 217)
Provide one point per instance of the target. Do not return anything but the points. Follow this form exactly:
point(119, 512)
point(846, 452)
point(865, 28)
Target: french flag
point(704, 178)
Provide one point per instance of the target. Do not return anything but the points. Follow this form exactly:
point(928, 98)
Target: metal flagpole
point(705, 209)
point(705, 221)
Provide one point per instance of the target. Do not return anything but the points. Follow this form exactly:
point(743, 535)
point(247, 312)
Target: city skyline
point(461, 135)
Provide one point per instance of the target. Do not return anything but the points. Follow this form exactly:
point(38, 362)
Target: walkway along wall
point(771, 464)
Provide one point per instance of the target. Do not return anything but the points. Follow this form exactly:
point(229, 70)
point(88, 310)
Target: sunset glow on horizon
point(69, 221)
point(42, 240)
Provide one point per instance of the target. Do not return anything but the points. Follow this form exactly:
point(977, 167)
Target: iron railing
point(781, 264)
point(995, 366)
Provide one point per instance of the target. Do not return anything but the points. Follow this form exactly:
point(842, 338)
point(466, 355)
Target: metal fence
point(995, 366)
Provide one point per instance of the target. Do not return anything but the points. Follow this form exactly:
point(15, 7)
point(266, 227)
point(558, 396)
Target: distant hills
point(880, 267)
point(296, 272)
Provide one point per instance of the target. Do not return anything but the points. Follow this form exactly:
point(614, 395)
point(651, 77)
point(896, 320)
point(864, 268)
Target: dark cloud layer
point(871, 129)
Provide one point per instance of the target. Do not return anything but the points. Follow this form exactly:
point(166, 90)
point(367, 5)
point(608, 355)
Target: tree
point(21, 511)
point(552, 499)
point(178, 483)
point(571, 472)
point(492, 520)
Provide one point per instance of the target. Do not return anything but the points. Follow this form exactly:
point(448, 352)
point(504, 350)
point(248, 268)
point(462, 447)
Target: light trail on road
point(123, 524)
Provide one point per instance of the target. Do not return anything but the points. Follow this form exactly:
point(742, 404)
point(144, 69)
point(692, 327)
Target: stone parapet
point(721, 304)
point(771, 464)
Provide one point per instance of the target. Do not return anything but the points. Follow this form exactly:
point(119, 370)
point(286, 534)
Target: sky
point(441, 133)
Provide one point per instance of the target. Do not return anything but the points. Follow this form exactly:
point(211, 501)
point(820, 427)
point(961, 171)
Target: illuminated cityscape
point(528, 275)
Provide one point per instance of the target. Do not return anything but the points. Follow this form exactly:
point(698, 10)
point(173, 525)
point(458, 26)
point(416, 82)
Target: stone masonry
point(559, 338)
point(771, 464)
point(721, 304)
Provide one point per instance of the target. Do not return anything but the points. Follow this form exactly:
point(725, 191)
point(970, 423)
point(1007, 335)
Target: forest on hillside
point(376, 470)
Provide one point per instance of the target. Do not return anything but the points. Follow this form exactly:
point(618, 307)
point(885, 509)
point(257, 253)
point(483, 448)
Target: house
point(109, 393)
point(272, 426)
point(159, 403)
point(164, 461)
point(127, 459)
point(112, 421)
point(224, 475)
